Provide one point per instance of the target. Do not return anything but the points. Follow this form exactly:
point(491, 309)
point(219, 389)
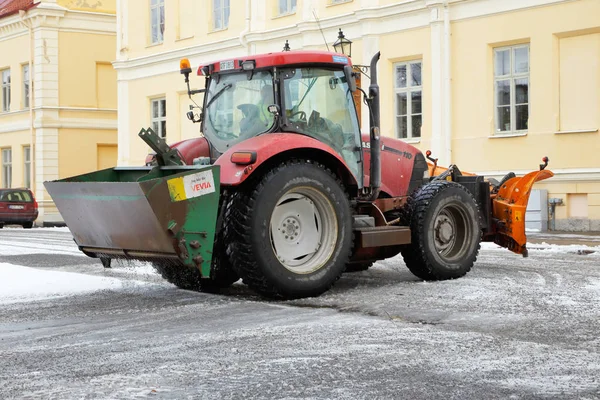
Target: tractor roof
point(280, 59)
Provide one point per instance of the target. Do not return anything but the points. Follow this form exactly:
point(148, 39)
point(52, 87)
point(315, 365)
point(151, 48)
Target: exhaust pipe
point(374, 120)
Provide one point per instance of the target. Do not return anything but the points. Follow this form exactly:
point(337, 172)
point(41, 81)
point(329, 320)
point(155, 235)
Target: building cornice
point(376, 20)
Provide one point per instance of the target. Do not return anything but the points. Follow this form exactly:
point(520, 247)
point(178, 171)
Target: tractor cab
point(308, 93)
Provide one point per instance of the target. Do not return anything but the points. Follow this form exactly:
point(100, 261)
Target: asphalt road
point(513, 328)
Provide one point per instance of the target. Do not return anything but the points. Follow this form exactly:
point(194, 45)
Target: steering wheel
point(301, 113)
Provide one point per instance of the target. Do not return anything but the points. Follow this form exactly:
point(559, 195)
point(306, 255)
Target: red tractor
point(299, 195)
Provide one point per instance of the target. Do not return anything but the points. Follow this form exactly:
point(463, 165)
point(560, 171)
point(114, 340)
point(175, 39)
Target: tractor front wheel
point(290, 235)
point(446, 232)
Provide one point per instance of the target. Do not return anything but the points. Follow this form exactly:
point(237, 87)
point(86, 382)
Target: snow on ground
point(23, 284)
point(550, 248)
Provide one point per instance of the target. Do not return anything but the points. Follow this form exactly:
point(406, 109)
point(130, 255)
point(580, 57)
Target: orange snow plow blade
point(509, 208)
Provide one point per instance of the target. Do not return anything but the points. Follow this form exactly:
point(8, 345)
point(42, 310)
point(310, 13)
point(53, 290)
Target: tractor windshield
point(319, 103)
point(236, 108)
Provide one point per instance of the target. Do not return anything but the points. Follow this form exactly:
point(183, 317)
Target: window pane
point(155, 127)
point(161, 22)
point(415, 73)
point(522, 117)
point(415, 98)
point(502, 62)
point(226, 14)
point(163, 108)
point(416, 125)
point(401, 76)
point(522, 90)
point(163, 129)
point(155, 109)
point(503, 119)
point(503, 93)
point(402, 129)
point(282, 6)
point(293, 6)
point(521, 55)
point(401, 104)
point(154, 22)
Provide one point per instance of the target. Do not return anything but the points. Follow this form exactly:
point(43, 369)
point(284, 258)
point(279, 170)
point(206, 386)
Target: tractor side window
point(319, 103)
point(237, 108)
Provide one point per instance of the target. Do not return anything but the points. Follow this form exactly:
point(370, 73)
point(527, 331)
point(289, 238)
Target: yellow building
point(489, 85)
point(58, 102)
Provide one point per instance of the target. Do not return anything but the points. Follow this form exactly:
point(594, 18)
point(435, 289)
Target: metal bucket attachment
point(143, 213)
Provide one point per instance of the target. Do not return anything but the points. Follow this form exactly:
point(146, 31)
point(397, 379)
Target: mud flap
point(509, 208)
point(142, 213)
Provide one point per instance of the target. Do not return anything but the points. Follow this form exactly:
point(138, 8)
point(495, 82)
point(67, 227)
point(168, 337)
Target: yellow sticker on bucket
point(190, 186)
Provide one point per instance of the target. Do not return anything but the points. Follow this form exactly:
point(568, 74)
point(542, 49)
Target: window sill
point(218, 30)
point(507, 135)
point(411, 140)
point(289, 14)
point(577, 131)
point(331, 4)
point(184, 38)
point(154, 44)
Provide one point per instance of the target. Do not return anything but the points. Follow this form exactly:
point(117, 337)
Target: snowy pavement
point(513, 328)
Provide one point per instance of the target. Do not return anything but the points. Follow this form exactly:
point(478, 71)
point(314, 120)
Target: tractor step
point(383, 236)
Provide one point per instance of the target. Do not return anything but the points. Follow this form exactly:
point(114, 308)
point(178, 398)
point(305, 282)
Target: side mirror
point(349, 73)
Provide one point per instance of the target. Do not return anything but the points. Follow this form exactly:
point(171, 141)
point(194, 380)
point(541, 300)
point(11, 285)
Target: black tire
point(1, 225)
point(254, 245)
point(358, 267)
point(446, 232)
point(28, 225)
point(189, 278)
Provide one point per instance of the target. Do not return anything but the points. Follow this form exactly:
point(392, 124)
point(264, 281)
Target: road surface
point(513, 328)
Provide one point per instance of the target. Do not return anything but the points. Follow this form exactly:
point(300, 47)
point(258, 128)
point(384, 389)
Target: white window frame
point(157, 23)
point(290, 7)
point(27, 166)
point(219, 7)
point(409, 89)
point(7, 168)
point(512, 76)
point(25, 74)
point(5, 89)
point(157, 119)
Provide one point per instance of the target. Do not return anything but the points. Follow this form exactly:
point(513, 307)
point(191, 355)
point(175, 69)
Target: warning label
point(198, 184)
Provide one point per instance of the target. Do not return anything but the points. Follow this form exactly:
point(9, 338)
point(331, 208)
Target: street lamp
point(343, 45)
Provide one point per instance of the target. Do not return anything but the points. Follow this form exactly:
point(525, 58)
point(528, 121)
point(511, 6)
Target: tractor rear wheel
point(290, 235)
point(446, 232)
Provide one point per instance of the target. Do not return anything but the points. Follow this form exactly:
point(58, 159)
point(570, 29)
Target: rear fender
point(509, 208)
point(281, 146)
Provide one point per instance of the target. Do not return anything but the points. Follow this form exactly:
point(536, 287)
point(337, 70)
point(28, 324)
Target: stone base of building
point(576, 225)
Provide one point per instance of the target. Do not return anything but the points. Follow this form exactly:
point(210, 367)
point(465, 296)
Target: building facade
point(489, 85)
point(58, 107)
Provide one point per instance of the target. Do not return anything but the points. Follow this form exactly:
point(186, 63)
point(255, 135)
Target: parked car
point(17, 207)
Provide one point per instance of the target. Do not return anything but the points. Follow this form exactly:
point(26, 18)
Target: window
point(26, 86)
point(159, 117)
point(340, 1)
point(408, 99)
point(287, 7)
point(157, 20)
point(6, 90)
point(6, 168)
point(27, 167)
point(221, 14)
point(511, 78)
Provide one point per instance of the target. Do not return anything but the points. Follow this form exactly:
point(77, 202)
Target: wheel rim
point(303, 230)
point(451, 231)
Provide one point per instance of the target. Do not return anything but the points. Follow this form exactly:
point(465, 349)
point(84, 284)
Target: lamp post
point(344, 46)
